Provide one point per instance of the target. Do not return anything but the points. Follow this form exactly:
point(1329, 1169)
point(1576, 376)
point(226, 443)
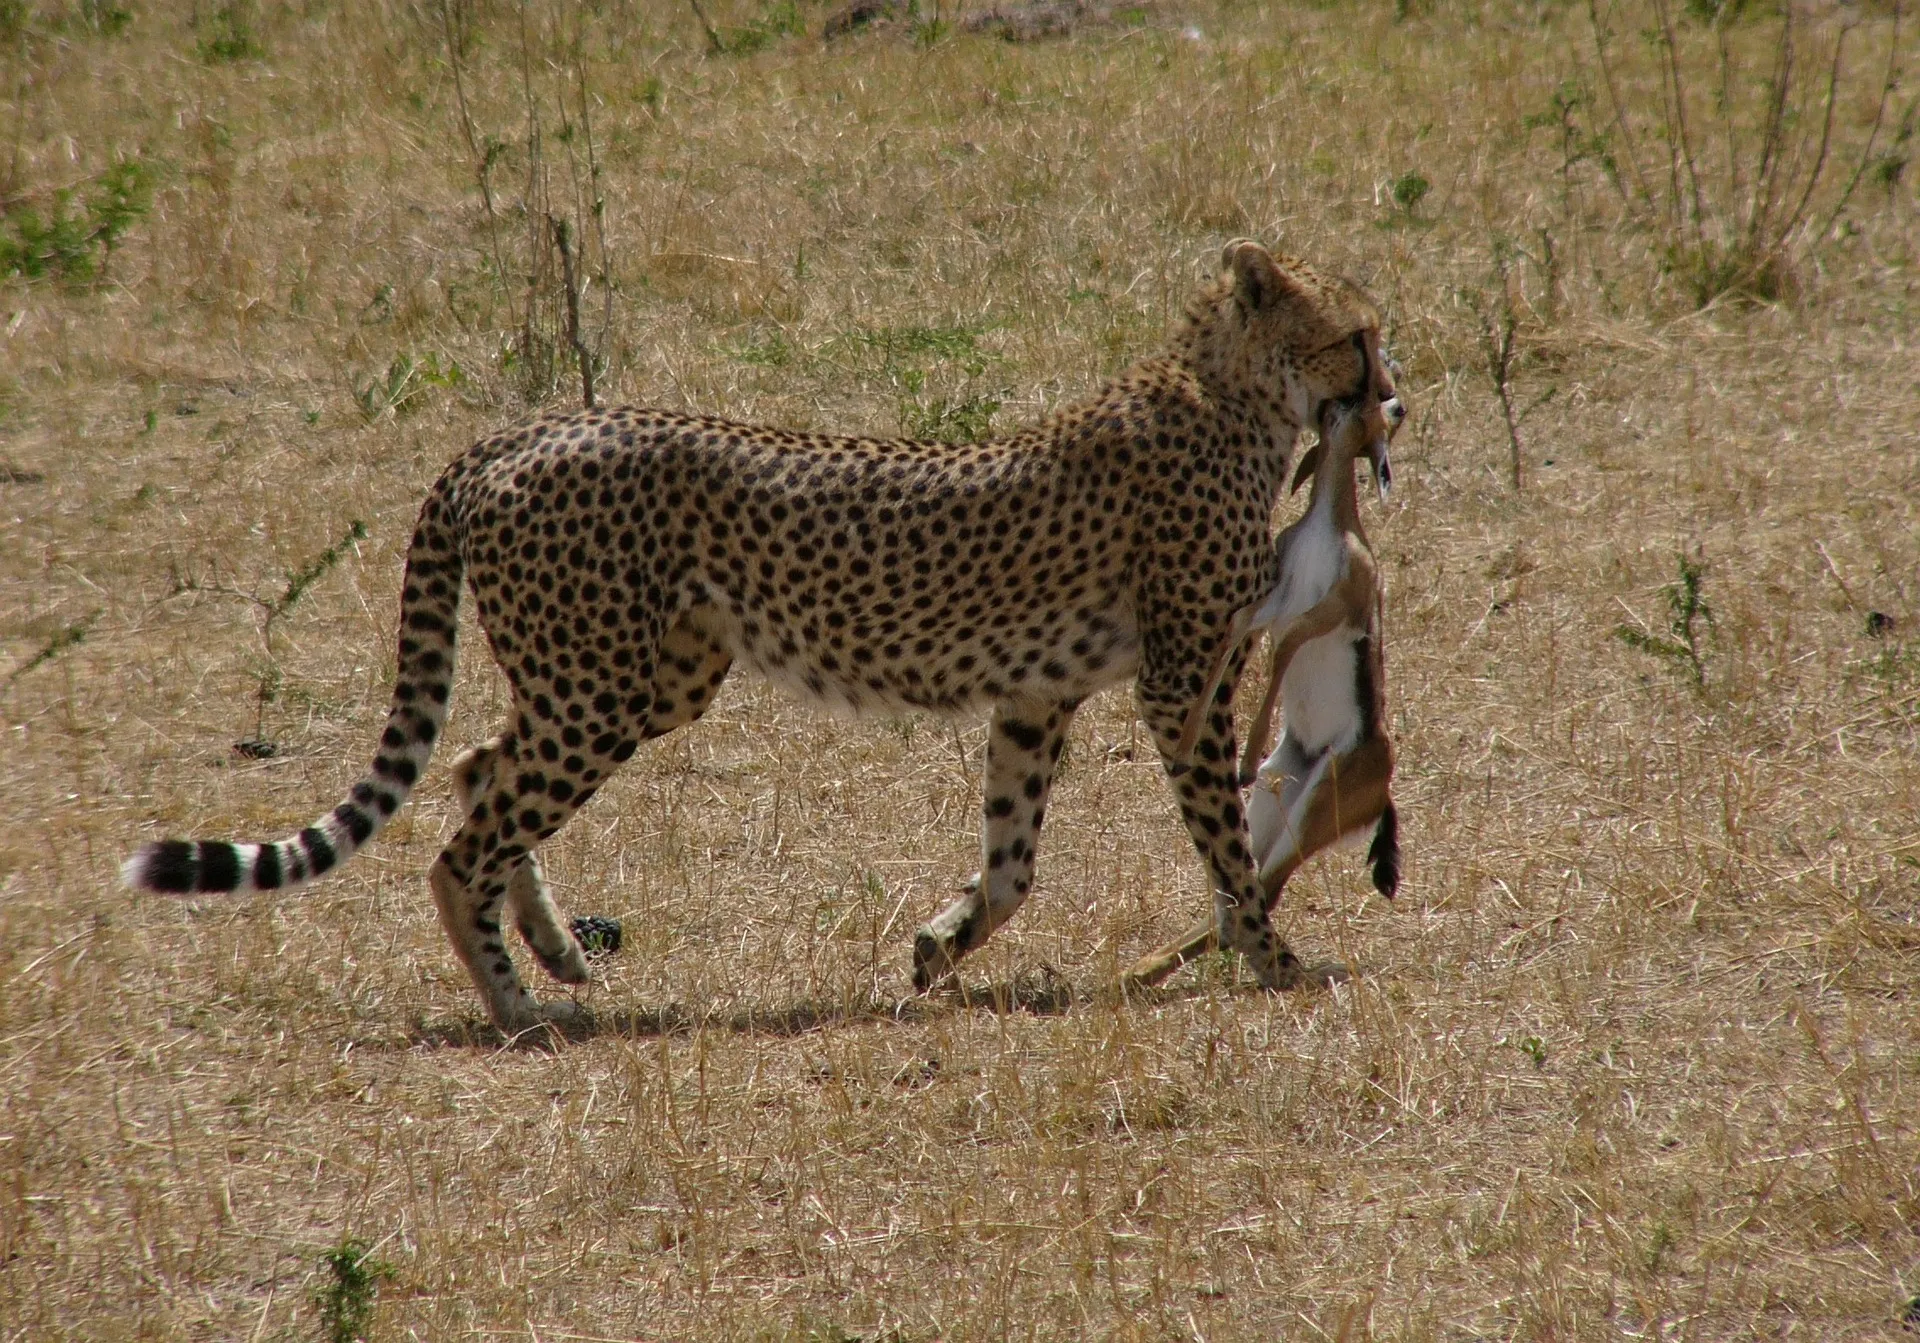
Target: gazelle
point(1328, 779)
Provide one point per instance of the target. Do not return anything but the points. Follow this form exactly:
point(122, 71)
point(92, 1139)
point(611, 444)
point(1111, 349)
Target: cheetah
point(622, 560)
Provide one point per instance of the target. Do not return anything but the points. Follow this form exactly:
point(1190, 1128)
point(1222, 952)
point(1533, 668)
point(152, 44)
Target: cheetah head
point(1276, 334)
point(1363, 423)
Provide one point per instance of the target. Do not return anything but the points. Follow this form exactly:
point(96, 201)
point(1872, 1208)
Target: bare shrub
point(1751, 181)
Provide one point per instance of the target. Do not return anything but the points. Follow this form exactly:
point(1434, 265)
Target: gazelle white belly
point(1320, 692)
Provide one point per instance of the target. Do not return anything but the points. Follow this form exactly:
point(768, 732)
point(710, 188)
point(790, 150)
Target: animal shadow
point(1042, 991)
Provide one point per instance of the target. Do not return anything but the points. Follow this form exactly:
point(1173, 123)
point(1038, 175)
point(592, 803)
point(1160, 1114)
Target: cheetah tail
point(1384, 853)
point(429, 613)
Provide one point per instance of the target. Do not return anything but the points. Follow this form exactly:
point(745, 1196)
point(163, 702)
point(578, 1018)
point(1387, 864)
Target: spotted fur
point(622, 560)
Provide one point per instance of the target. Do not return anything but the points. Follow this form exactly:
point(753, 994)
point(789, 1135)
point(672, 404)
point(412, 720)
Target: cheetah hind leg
point(529, 901)
point(691, 667)
point(512, 816)
point(1024, 741)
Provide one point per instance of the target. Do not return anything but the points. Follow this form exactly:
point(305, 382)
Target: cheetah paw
point(934, 964)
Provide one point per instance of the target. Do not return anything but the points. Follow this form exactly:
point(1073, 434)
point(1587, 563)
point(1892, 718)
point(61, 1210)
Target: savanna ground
point(1635, 1052)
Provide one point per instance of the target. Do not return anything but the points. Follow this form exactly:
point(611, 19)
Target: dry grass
point(1634, 1054)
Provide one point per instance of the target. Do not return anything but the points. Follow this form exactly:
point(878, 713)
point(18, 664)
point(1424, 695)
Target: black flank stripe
point(357, 823)
point(1363, 688)
point(219, 866)
point(266, 868)
point(170, 866)
point(319, 851)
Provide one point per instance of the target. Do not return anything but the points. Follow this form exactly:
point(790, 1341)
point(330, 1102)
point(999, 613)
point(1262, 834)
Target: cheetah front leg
point(1023, 748)
point(1209, 797)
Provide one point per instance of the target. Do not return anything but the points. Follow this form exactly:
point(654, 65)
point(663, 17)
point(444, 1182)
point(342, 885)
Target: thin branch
point(562, 241)
point(713, 38)
point(1798, 215)
point(1499, 328)
point(1725, 92)
point(482, 159)
point(1683, 138)
point(20, 87)
point(1887, 86)
point(597, 204)
point(1627, 142)
point(535, 201)
point(1766, 174)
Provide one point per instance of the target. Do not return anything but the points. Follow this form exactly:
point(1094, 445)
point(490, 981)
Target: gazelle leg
point(1237, 631)
point(1347, 795)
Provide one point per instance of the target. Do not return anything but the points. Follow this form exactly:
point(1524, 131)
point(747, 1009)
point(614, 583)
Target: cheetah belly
point(939, 660)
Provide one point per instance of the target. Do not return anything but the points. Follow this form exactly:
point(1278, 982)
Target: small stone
point(916, 1073)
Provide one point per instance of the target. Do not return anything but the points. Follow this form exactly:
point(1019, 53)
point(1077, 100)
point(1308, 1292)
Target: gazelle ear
point(1309, 463)
point(1255, 275)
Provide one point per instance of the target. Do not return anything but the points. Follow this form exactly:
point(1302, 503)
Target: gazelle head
point(1362, 423)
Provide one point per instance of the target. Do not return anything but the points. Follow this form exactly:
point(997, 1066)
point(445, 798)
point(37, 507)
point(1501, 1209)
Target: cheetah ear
point(1309, 463)
point(1256, 277)
point(1232, 250)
